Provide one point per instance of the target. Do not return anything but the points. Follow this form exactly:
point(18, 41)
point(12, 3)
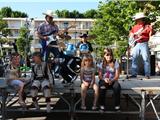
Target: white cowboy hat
point(139, 15)
point(49, 13)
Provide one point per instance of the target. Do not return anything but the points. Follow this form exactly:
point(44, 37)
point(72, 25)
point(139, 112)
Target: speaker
point(152, 63)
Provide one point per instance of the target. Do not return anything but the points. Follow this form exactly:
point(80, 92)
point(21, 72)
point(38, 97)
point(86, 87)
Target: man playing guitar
point(138, 40)
point(47, 32)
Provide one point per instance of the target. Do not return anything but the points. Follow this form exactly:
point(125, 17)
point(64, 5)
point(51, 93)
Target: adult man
point(47, 29)
point(138, 38)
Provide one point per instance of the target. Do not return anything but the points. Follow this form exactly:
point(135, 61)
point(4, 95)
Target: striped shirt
point(87, 74)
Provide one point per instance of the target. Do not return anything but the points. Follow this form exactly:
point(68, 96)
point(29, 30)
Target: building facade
point(14, 25)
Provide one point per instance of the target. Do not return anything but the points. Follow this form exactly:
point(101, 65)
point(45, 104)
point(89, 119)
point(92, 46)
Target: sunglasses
point(107, 54)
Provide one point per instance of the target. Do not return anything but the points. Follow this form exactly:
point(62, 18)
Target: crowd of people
point(108, 70)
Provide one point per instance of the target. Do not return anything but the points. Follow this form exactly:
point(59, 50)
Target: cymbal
point(90, 37)
point(65, 37)
point(59, 45)
point(62, 45)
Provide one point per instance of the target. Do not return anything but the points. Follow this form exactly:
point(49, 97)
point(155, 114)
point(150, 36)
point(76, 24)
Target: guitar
point(135, 37)
point(59, 45)
point(52, 38)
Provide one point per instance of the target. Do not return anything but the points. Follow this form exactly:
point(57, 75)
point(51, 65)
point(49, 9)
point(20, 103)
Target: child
point(87, 76)
point(13, 77)
point(108, 76)
point(42, 79)
point(84, 46)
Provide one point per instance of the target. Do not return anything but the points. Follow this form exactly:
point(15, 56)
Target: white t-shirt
point(109, 72)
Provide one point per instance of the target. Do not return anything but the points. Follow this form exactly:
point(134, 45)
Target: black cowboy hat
point(83, 35)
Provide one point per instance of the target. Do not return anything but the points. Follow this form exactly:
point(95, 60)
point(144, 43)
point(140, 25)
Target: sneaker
point(36, 105)
point(94, 107)
point(83, 107)
point(147, 77)
point(117, 108)
point(133, 76)
point(63, 82)
point(102, 107)
point(48, 107)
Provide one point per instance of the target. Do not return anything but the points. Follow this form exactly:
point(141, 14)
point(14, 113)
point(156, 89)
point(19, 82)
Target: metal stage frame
point(130, 87)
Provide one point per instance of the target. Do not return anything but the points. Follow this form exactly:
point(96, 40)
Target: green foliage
point(5, 12)
point(23, 42)
point(16, 14)
point(4, 31)
point(90, 13)
point(8, 12)
point(76, 14)
point(115, 21)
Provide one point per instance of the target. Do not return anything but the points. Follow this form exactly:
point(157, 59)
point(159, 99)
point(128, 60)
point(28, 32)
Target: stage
point(141, 92)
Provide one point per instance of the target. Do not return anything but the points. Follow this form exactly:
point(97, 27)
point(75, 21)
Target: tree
point(8, 12)
point(23, 42)
point(3, 28)
point(16, 14)
point(5, 12)
point(90, 13)
point(76, 14)
point(115, 20)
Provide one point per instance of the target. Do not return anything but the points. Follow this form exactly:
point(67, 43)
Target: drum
point(84, 48)
point(70, 50)
point(69, 68)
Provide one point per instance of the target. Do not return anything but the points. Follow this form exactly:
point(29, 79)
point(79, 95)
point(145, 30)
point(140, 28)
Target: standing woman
point(108, 79)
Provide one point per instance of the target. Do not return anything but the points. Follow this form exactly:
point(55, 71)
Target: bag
point(44, 71)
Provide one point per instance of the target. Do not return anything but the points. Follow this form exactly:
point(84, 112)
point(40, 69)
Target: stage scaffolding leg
point(3, 103)
point(72, 102)
point(155, 111)
point(152, 104)
point(142, 114)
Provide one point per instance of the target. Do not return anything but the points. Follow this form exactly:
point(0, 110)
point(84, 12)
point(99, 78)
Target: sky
point(35, 8)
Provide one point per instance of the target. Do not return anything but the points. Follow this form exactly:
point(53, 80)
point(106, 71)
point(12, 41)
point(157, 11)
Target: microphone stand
point(127, 77)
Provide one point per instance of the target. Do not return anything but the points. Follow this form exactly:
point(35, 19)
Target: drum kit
point(69, 63)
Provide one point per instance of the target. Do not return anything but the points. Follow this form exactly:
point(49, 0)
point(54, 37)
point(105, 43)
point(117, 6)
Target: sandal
point(83, 107)
point(94, 107)
point(22, 103)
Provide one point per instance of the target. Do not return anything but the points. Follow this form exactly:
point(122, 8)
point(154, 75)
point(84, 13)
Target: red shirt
point(145, 34)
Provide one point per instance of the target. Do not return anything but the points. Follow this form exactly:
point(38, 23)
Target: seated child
point(13, 77)
point(42, 79)
point(87, 76)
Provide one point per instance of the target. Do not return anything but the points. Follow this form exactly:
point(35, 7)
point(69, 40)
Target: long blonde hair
point(89, 58)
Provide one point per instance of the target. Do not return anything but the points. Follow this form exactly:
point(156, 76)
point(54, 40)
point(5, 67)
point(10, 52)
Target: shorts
point(40, 83)
point(16, 83)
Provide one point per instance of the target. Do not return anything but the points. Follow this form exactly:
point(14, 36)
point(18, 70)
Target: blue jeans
point(143, 50)
point(43, 43)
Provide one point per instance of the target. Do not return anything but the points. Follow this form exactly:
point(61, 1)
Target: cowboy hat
point(83, 35)
point(139, 15)
point(49, 13)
